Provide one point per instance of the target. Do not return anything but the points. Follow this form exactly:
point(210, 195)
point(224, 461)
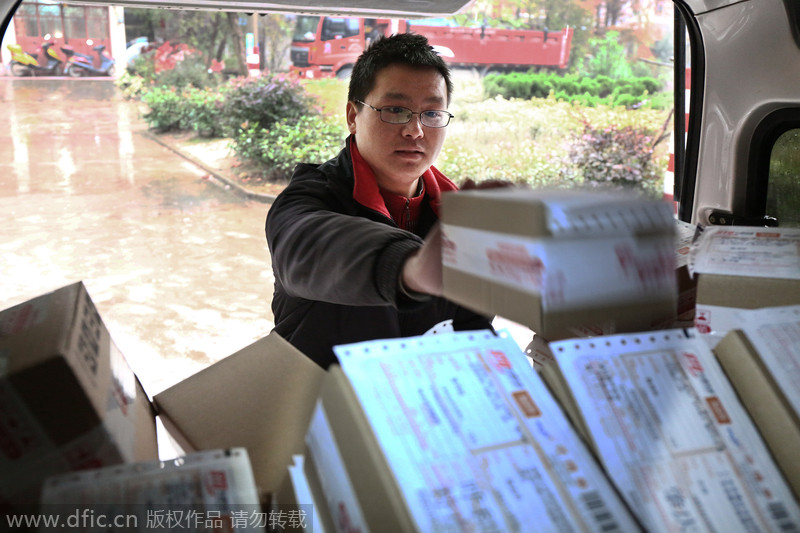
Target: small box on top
point(563, 263)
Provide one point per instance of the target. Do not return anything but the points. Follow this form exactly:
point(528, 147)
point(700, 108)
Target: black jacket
point(337, 264)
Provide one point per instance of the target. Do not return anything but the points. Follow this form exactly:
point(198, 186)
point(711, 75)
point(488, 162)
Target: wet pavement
point(178, 267)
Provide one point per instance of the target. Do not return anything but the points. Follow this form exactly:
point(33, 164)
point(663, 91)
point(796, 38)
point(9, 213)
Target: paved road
point(178, 269)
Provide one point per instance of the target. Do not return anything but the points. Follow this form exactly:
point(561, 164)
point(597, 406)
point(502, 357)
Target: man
point(346, 237)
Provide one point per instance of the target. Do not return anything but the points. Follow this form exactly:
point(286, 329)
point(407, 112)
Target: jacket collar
point(367, 193)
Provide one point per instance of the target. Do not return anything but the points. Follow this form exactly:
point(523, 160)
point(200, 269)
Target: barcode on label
point(597, 508)
point(778, 512)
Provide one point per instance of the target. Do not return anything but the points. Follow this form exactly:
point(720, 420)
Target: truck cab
point(328, 46)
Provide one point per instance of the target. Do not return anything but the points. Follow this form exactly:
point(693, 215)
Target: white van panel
point(752, 67)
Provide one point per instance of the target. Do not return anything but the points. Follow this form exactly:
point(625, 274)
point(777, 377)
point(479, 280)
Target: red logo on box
point(702, 321)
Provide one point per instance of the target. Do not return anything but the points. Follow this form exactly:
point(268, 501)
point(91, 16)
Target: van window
point(783, 191)
point(339, 28)
point(306, 28)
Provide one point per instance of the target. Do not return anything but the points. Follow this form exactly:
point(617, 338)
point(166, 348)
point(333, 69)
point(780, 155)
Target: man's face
point(399, 153)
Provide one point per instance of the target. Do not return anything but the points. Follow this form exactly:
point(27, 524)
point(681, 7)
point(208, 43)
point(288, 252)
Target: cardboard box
point(260, 398)
point(68, 399)
point(762, 361)
point(738, 268)
point(561, 262)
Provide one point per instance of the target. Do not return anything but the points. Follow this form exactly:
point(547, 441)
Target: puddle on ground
point(178, 268)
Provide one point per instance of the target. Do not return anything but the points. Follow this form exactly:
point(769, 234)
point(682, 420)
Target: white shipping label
point(684, 237)
point(673, 435)
point(580, 215)
point(212, 490)
point(474, 438)
point(566, 274)
point(747, 251)
point(340, 496)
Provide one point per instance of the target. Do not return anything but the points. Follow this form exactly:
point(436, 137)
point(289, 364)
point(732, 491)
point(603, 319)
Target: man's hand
point(422, 271)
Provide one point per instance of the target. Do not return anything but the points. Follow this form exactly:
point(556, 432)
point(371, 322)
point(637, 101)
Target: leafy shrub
point(311, 139)
point(616, 156)
point(261, 102)
point(203, 109)
point(167, 110)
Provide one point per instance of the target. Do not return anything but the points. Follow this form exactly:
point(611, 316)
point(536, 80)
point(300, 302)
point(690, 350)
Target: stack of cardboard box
point(457, 429)
point(738, 268)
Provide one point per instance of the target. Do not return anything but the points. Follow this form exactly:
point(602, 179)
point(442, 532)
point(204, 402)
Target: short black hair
point(409, 49)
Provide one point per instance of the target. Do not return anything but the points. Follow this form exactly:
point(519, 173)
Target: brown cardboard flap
point(746, 292)
point(484, 296)
point(775, 418)
point(523, 214)
point(260, 398)
point(37, 330)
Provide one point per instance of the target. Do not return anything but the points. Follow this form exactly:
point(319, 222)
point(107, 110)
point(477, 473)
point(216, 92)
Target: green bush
point(309, 139)
point(203, 111)
point(167, 110)
point(261, 102)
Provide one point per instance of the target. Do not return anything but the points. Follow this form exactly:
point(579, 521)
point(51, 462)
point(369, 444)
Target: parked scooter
point(46, 63)
point(78, 64)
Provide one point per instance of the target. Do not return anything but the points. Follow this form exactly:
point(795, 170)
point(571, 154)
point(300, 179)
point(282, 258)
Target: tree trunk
point(238, 43)
point(209, 54)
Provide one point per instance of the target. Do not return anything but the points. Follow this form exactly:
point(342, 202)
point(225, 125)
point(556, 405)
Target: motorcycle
point(78, 64)
point(48, 63)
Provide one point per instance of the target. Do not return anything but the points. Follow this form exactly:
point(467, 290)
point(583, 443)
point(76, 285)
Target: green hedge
point(630, 93)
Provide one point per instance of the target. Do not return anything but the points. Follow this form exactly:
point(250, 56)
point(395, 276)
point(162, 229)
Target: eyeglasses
point(433, 118)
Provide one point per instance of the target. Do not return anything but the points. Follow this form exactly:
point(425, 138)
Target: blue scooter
point(79, 65)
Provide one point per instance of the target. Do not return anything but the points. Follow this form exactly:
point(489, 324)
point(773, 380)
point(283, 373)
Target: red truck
point(328, 46)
